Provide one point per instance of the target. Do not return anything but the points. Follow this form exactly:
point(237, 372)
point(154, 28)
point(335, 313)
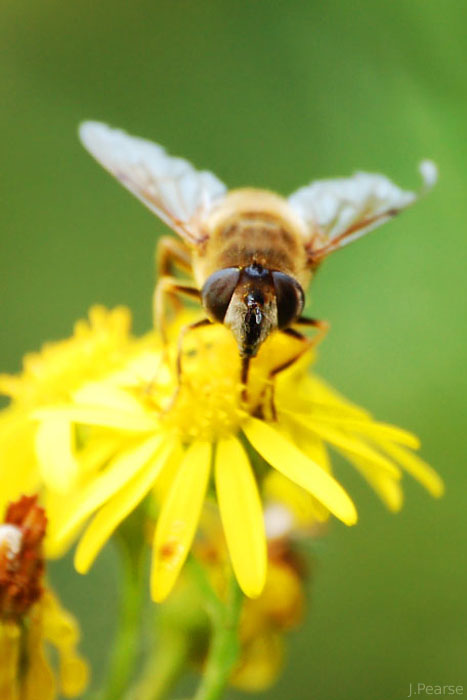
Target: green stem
point(127, 641)
point(162, 670)
point(211, 601)
point(224, 650)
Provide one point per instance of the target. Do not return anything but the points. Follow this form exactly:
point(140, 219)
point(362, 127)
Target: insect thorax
point(253, 238)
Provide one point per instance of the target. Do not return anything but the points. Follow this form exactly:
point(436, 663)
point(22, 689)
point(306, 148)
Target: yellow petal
point(105, 395)
point(39, 679)
point(120, 471)
point(10, 647)
point(117, 509)
point(308, 443)
point(242, 515)
point(385, 485)
point(179, 518)
point(316, 395)
point(287, 459)
point(55, 454)
point(417, 468)
point(387, 488)
point(375, 430)
point(350, 444)
point(301, 508)
point(98, 451)
point(61, 629)
point(18, 466)
point(58, 625)
point(74, 675)
point(95, 415)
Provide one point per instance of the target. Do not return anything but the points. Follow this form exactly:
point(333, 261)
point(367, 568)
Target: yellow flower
point(31, 618)
point(25, 670)
point(181, 435)
point(263, 623)
point(96, 347)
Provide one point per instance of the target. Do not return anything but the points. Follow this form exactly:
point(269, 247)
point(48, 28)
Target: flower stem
point(127, 640)
point(162, 670)
point(224, 649)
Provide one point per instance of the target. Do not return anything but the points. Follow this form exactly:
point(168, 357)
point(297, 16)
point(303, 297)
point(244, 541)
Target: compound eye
point(217, 291)
point(289, 298)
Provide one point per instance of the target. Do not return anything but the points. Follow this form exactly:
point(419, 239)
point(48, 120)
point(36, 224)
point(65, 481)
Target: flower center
point(208, 402)
point(204, 398)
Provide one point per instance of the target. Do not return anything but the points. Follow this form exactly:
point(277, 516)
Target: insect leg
point(171, 253)
point(307, 344)
point(169, 287)
point(181, 337)
point(190, 327)
point(186, 329)
point(321, 326)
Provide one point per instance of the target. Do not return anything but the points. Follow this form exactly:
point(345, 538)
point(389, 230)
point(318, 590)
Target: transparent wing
point(339, 211)
point(171, 187)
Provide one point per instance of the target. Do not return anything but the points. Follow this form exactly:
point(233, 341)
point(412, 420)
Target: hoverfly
point(251, 252)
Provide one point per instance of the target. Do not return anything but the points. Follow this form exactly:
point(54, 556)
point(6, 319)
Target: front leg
point(186, 329)
point(321, 326)
point(170, 254)
point(172, 286)
point(307, 343)
point(166, 288)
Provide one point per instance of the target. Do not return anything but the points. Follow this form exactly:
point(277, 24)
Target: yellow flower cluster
point(51, 375)
point(107, 419)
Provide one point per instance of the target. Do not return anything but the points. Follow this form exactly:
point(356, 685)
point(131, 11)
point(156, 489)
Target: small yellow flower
point(263, 624)
point(31, 618)
point(96, 347)
point(25, 669)
point(181, 435)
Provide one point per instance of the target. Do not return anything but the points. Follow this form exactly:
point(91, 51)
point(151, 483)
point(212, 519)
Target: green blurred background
point(270, 94)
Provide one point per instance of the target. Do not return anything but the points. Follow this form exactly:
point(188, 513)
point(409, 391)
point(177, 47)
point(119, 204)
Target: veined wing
point(171, 187)
point(338, 211)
